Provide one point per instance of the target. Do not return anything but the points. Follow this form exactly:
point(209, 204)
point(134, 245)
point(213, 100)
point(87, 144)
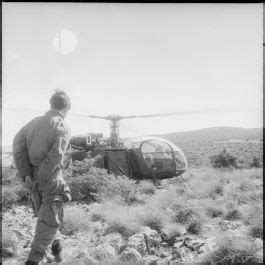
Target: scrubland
point(220, 210)
point(206, 216)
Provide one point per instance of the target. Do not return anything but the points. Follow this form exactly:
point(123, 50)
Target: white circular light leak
point(65, 41)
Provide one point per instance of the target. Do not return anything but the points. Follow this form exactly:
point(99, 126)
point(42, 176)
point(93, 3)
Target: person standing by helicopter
point(39, 148)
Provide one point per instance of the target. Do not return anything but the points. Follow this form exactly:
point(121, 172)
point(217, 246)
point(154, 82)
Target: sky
point(133, 59)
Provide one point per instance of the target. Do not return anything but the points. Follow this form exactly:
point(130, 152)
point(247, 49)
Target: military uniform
point(39, 148)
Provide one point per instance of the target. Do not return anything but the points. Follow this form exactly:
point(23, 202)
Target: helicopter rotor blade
point(109, 117)
point(70, 114)
point(185, 112)
point(89, 116)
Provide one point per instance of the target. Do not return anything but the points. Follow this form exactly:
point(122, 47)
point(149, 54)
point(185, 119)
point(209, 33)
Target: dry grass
point(13, 194)
point(243, 189)
point(120, 218)
point(147, 187)
point(252, 213)
point(76, 219)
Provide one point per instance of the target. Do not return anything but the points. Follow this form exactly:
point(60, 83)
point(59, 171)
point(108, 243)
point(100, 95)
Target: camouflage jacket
point(41, 143)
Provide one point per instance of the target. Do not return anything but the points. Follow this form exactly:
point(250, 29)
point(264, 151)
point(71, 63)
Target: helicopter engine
point(86, 141)
point(82, 145)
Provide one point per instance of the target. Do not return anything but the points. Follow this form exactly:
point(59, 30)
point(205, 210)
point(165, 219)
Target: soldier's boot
point(29, 262)
point(57, 250)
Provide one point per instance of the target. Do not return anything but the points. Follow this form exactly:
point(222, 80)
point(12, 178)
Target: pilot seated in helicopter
point(161, 159)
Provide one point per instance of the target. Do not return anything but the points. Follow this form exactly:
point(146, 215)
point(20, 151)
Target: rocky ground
point(95, 245)
point(206, 212)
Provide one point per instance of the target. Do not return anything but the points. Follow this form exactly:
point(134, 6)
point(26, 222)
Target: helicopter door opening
point(158, 156)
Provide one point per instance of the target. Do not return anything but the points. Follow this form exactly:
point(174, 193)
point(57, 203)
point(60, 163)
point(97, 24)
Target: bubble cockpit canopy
point(160, 156)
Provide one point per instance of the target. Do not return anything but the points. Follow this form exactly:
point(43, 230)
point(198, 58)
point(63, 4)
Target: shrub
point(166, 200)
point(8, 175)
point(223, 160)
point(194, 226)
point(120, 187)
point(96, 213)
point(8, 243)
point(215, 189)
point(183, 216)
point(120, 218)
point(252, 214)
point(256, 230)
point(219, 189)
point(14, 194)
point(22, 193)
point(256, 224)
point(214, 211)
point(8, 195)
point(233, 251)
point(152, 217)
point(243, 188)
point(256, 162)
point(232, 214)
point(76, 219)
point(122, 224)
point(97, 185)
point(147, 187)
point(173, 231)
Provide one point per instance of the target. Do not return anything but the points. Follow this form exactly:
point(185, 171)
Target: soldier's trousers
point(48, 207)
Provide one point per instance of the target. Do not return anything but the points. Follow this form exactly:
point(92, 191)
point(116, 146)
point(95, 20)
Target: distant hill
point(214, 134)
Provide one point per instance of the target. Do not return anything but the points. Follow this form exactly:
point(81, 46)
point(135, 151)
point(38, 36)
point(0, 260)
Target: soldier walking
point(39, 148)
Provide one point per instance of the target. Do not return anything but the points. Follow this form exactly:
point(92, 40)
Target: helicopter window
point(132, 145)
point(155, 146)
point(148, 147)
point(181, 163)
point(158, 156)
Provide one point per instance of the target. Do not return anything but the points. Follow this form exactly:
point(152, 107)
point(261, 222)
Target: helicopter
point(138, 158)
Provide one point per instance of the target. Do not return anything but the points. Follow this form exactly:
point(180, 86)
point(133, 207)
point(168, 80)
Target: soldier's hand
point(28, 182)
point(68, 196)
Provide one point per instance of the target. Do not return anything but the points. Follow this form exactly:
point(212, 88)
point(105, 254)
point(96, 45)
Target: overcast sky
point(133, 59)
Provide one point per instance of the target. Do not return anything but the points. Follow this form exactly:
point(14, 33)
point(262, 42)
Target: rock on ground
point(104, 252)
point(115, 240)
point(151, 260)
point(130, 255)
point(137, 242)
